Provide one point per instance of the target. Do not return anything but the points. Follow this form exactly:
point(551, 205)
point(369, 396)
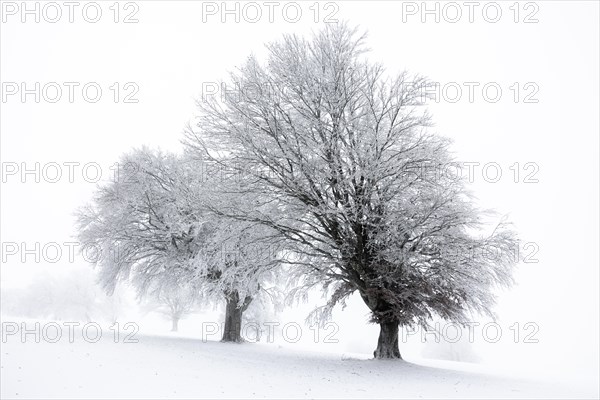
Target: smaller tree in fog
point(153, 226)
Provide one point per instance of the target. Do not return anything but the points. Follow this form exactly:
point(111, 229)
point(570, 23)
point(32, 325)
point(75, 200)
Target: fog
point(546, 152)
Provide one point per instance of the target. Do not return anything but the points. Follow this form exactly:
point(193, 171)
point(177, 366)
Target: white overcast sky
point(171, 52)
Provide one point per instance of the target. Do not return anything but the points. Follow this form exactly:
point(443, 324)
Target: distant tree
point(337, 147)
point(58, 297)
point(67, 294)
point(175, 301)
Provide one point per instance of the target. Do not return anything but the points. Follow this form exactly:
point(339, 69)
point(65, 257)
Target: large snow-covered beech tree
point(341, 149)
point(148, 226)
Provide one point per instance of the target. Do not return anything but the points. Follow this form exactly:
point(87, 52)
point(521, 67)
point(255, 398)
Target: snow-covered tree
point(66, 294)
point(233, 263)
point(174, 300)
point(337, 146)
point(149, 226)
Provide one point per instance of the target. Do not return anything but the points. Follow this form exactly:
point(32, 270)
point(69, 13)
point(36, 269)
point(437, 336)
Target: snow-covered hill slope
point(173, 367)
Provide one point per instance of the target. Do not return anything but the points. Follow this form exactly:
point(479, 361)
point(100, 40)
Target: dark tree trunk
point(233, 321)
point(233, 317)
point(387, 345)
point(175, 324)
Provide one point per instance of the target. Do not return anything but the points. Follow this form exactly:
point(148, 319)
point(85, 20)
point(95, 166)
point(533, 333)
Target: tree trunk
point(387, 345)
point(233, 317)
point(175, 324)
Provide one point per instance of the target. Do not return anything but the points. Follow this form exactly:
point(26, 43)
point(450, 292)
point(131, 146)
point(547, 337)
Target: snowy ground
point(170, 366)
